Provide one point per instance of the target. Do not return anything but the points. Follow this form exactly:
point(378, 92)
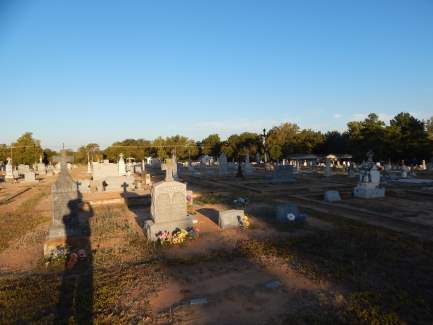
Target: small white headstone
point(230, 218)
point(121, 166)
point(30, 177)
point(9, 169)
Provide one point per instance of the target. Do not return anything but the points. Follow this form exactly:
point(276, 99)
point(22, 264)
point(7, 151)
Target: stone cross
point(64, 191)
point(168, 167)
point(63, 159)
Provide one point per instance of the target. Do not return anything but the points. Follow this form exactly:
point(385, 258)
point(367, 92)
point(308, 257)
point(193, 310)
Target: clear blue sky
point(99, 71)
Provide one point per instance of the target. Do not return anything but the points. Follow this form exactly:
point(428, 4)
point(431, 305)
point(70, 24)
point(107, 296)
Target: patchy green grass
point(22, 220)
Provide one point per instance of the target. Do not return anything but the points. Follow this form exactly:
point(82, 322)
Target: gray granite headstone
point(118, 184)
point(168, 207)
point(170, 201)
point(65, 206)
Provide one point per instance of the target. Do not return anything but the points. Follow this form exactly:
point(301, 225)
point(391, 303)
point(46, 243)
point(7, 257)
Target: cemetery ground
point(353, 261)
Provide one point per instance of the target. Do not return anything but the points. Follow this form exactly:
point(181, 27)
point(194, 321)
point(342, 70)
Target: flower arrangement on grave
point(178, 236)
point(164, 237)
point(59, 254)
point(244, 222)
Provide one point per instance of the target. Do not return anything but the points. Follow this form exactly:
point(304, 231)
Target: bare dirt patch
point(238, 291)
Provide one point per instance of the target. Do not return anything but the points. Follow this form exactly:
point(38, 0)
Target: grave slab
point(230, 218)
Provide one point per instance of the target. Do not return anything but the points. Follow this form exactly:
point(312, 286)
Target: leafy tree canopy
point(26, 150)
point(404, 137)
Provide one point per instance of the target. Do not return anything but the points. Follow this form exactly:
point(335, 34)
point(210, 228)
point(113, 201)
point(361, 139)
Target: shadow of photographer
point(76, 290)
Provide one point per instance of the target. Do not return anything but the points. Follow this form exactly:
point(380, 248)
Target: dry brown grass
point(20, 221)
point(386, 277)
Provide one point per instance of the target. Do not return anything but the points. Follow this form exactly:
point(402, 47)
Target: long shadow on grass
point(210, 213)
point(137, 204)
point(387, 276)
point(76, 290)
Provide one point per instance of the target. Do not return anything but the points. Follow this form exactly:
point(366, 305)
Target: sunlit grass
point(14, 224)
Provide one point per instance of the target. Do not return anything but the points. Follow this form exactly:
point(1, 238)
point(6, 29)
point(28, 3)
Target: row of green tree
point(404, 137)
point(26, 150)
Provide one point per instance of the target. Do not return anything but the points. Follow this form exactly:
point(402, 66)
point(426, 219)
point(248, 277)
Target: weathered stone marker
point(222, 165)
point(168, 168)
point(9, 169)
point(171, 169)
point(121, 165)
point(65, 207)
point(246, 166)
point(369, 181)
point(230, 218)
point(30, 177)
point(40, 167)
point(168, 207)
